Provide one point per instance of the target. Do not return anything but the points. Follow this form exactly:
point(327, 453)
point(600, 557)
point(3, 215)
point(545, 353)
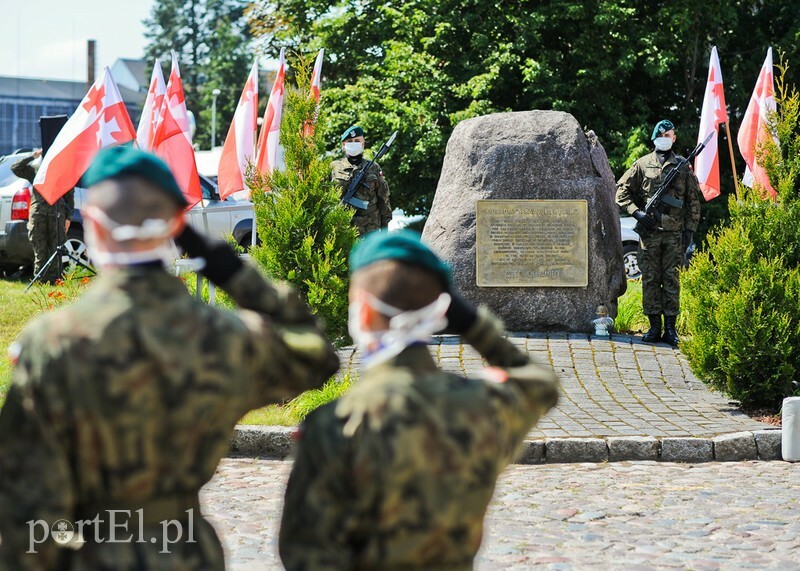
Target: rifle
point(659, 196)
point(349, 195)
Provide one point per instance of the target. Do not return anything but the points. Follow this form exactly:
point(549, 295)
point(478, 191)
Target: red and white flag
point(754, 133)
point(240, 144)
point(101, 120)
point(706, 164)
point(267, 158)
point(316, 75)
point(172, 141)
point(151, 110)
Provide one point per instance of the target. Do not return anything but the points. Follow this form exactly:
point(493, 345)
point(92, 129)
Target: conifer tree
point(304, 233)
point(741, 294)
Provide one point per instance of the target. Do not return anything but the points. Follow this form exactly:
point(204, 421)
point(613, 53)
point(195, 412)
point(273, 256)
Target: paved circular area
point(627, 516)
point(617, 387)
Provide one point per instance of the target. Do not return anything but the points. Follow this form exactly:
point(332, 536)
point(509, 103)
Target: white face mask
point(663, 143)
point(353, 149)
point(164, 252)
point(405, 327)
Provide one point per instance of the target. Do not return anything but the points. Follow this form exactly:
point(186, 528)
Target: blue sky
point(47, 38)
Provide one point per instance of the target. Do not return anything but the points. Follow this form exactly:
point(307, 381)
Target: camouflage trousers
point(45, 237)
point(660, 257)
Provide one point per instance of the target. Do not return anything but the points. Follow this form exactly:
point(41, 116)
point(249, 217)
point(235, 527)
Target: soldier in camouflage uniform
point(127, 399)
point(398, 473)
point(376, 192)
point(661, 253)
point(43, 231)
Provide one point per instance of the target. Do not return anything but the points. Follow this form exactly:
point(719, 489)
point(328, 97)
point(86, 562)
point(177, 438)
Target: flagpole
point(733, 164)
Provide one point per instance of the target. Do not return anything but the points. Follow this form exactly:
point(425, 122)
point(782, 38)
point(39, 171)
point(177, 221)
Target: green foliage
point(305, 234)
point(293, 412)
point(630, 318)
point(221, 299)
point(617, 65)
point(212, 40)
point(300, 406)
point(742, 293)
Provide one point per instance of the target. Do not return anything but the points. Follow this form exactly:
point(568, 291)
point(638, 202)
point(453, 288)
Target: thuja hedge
point(741, 295)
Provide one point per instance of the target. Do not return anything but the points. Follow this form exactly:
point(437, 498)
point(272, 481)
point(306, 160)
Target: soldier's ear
point(371, 319)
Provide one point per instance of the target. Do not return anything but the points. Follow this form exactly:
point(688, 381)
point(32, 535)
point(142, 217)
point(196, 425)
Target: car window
point(209, 189)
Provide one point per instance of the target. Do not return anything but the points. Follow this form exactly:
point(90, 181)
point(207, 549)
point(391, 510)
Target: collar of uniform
point(415, 357)
point(143, 280)
point(672, 159)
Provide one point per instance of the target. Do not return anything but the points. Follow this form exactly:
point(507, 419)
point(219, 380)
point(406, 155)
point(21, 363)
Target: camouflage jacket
point(127, 400)
point(639, 183)
point(398, 472)
point(379, 212)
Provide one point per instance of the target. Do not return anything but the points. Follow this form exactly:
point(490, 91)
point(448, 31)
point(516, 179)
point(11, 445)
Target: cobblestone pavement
point(627, 516)
point(617, 387)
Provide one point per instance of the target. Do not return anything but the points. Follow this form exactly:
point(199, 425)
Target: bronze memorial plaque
point(532, 243)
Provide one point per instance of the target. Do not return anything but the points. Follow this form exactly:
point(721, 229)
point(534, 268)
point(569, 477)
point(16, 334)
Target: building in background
point(23, 100)
point(131, 73)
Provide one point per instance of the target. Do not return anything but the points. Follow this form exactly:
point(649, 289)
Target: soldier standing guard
point(125, 401)
point(661, 254)
point(43, 232)
point(375, 192)
point(398, 473)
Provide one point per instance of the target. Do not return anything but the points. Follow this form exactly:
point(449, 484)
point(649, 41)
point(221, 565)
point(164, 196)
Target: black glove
point(461, 315)
point(221, 260)
point(647, 220)
point(687, 238)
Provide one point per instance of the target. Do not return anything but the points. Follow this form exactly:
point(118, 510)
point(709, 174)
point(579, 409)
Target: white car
point(630, 246)
point(212, 217)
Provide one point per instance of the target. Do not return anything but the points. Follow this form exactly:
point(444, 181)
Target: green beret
point(124, 160)
point(354, 131)
point(403, 245)
point(661, 128)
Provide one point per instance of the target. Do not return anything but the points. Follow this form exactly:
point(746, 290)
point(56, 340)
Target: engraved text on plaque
point(532, 243)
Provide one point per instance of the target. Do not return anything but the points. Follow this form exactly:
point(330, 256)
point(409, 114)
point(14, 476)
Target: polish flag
point(101, 120)
point(152, 108)
point(706, 164)
point(172, 141)
point(316, 75)
point(240, 144)
point(753, 132)
point(267, 158)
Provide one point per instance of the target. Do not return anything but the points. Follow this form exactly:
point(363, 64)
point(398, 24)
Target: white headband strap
point(150, 229)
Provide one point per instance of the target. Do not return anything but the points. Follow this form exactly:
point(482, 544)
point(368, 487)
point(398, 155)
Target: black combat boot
point(653, 335)
point(670, 334)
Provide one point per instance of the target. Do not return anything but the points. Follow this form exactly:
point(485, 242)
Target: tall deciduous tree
point(212, 39)
point(617, 65)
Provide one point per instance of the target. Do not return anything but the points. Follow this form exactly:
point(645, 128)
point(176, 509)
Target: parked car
point(630, 245)
point(212, 216)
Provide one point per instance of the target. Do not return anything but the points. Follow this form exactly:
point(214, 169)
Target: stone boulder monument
point(525, 214)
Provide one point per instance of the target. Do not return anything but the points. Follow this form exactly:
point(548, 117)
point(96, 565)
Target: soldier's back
point(145, 384)
point(422, 449)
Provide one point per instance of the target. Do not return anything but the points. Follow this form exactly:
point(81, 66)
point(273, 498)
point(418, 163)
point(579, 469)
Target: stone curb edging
point(278, 442)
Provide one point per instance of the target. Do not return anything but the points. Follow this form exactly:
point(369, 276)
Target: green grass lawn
point(630, 318)
point(19, 307)
point(16, 312)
